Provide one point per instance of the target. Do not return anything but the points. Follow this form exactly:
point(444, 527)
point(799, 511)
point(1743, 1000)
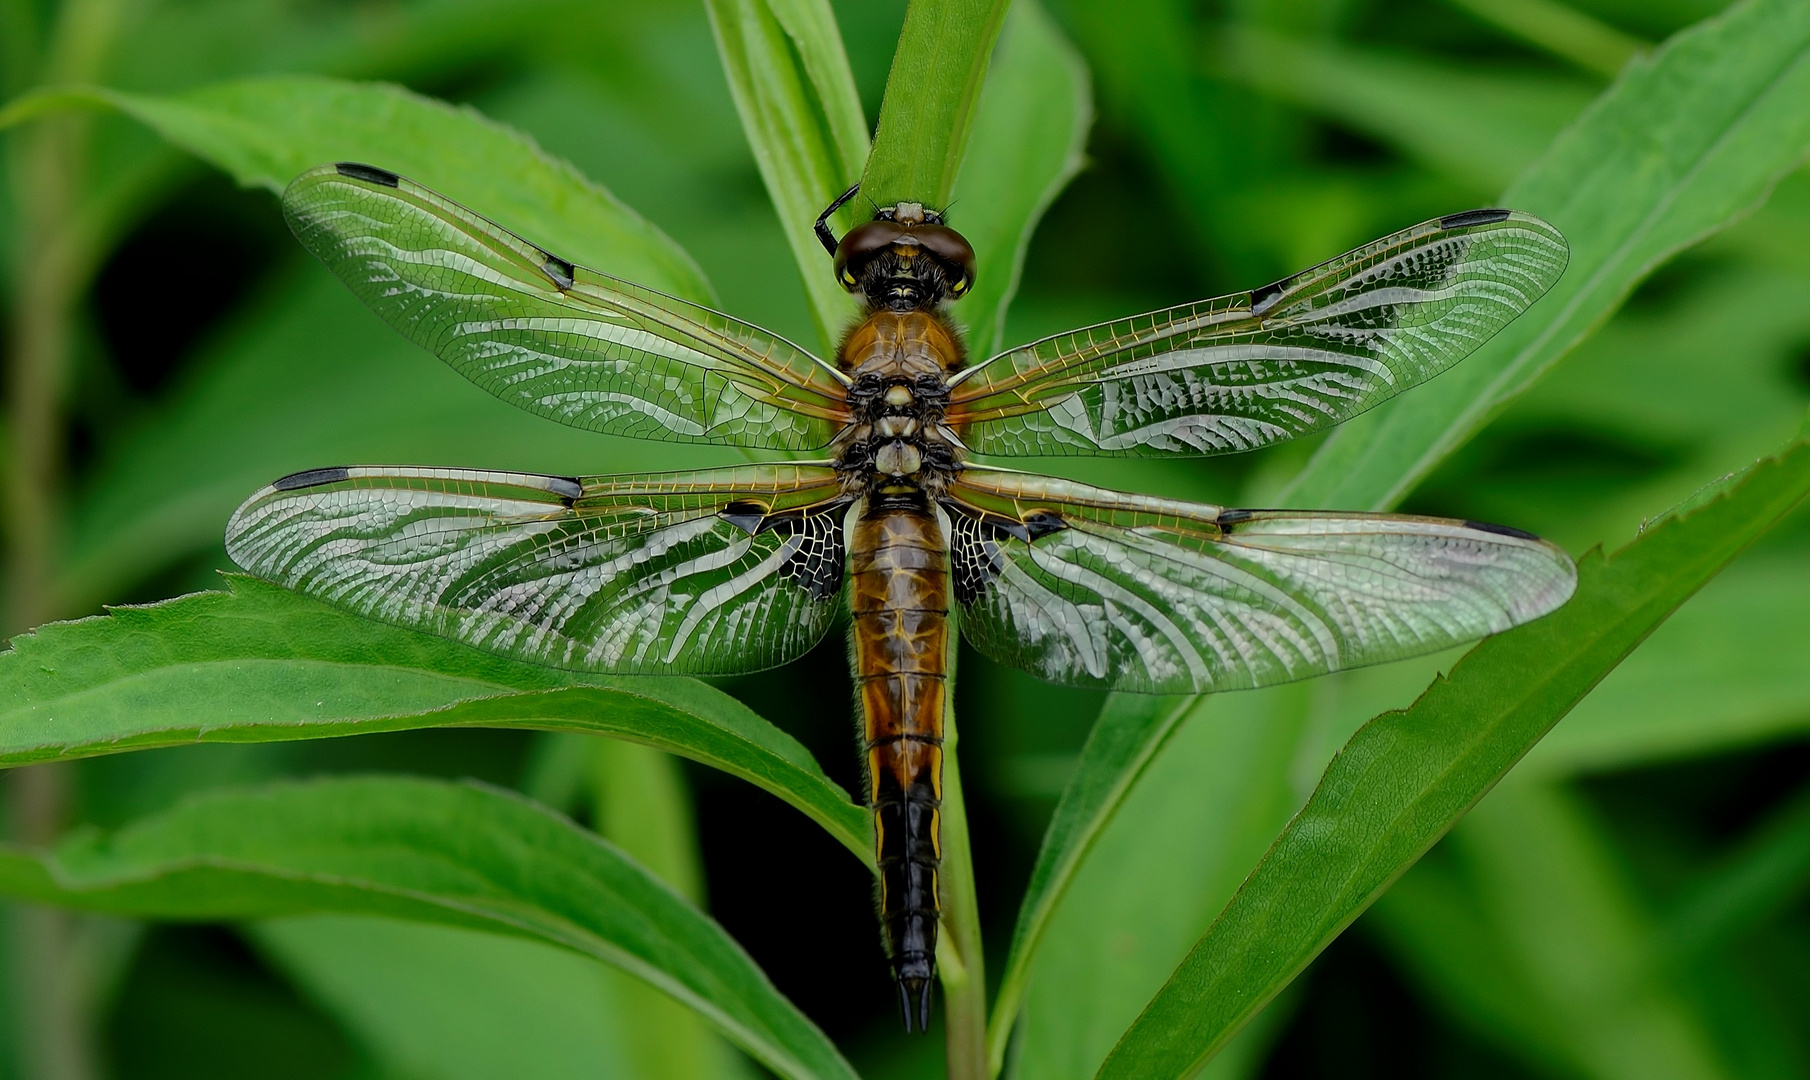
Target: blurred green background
point(1630, 904)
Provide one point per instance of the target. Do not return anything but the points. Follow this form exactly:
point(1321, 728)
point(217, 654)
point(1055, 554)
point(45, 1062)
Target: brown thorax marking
point(898, 365)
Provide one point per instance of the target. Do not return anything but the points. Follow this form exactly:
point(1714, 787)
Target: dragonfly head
point(904, 259)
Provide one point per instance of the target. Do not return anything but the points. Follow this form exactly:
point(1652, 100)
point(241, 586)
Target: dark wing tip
point(311, 478)
point(1473, 217)
point(370, 174)
point(1500, 530)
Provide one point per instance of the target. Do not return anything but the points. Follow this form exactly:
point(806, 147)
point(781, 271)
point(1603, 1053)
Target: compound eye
point(861, 244)
point(953, 251)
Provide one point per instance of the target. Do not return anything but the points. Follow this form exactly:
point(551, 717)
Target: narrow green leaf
point(1029, 136)
point(266, 131)
point(1402, 781)
point(810, 25)
point(932, 96)
point(459, 854)
point(1551, 885)
point(1481, 127)
point(790, 79)
point(262, 664)
point(1764, 874)
point(1685, 143)
point(445, 1003)
point(1561, 30)
point(1166, 855)
point(1429, 923)
point(640, 803)
point(1726, 672)
point(1123, 742)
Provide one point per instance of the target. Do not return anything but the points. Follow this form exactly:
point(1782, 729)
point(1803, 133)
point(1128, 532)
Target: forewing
point(1095, 588)
point(702, 573)
point(1256, 368)
point(553, 338)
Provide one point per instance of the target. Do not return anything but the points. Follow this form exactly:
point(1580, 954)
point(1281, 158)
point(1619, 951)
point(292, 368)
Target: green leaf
point(1171, 847)
point(1685, 143)
point(261, 664)
point(932, 96)
point(266, 131)
point(445, 1003)
point(1402, 781)
point(1725, 672)
point(458, 854)
point(1763, 874)
point(1123, 742)
point(1159, 855)
point(1543, 885)
point(1561, 30)
point(1029, 135)
point(1481, 127)
point(640, 804)
point(792, 86)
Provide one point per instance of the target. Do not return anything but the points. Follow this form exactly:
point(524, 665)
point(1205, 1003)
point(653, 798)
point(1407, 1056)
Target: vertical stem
point(46, 168)
point(50, 269)
point(52, 1030)
point(959, 960)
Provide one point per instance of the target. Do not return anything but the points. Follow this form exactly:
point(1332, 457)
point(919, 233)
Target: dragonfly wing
point(1095, 588)
point(556, 339)
point(1244, 371)
point(710, 572)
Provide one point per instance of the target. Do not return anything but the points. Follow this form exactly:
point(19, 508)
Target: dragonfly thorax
point(899, 364)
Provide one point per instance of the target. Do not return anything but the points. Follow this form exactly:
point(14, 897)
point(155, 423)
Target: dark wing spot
point(1265, 298)
point(1500, 530)
point(559, 270)
point(566, 487)
point(1043, 522)
point(1232, 517)
point(311, 478)
point(1473, 217)
point(746, 516)
point(370, 174)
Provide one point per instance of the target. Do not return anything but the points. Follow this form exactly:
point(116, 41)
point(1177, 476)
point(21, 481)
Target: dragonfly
point(888, 517)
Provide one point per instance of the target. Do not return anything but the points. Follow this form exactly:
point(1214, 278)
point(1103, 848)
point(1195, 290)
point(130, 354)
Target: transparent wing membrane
point(1089, 587)
point(556, 339)
point(1248, 370)
point(711, 572)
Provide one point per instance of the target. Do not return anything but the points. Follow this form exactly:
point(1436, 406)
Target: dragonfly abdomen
point(900, 576)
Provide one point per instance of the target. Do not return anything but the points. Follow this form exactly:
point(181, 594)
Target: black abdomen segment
point(900, 576)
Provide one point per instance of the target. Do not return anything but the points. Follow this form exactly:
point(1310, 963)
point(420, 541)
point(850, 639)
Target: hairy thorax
point(897, 445)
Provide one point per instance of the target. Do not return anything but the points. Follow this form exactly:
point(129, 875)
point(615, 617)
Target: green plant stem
point(46, 166)
point(931, 98)
point(960, 962)
point(50, 270)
